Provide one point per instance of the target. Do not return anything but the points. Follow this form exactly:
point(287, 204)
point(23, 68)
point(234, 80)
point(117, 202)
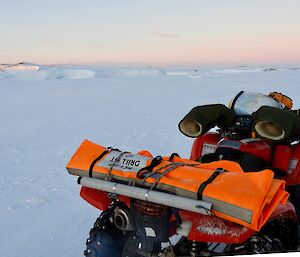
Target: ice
point(29, 71)
point(22, 66)
point(78, 74)
point(230, 71)
point(46, 112)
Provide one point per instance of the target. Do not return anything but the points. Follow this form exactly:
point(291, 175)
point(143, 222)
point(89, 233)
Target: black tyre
point(105, 240)
point(256, 244)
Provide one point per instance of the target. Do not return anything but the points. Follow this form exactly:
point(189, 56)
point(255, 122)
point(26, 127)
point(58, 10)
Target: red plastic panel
point(95, 197)
point(281, 157)
point(214, 229)
point(293, 177)
point(208, 140)
point(288, 211)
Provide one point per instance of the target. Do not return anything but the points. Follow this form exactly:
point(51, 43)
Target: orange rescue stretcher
point(246, 198)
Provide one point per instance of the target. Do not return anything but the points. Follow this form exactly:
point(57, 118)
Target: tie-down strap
point(217, 172)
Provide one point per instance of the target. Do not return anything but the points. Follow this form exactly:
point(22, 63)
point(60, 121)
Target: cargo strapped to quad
point(246, 198)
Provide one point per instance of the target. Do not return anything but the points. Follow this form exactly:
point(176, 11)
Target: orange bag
point(279, 97)
point(244, 198)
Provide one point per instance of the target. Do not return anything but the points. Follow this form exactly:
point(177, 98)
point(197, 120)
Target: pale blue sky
point(150, 31)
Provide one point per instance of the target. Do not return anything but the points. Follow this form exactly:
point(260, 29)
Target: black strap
point(108, 177)
point(217, 172)
point(155, 161)
point(95, 161)
point(113, 149)
point(154, 174)
point(172, 156)
point(172, 166)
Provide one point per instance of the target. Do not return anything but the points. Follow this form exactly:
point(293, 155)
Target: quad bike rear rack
point(148, 195)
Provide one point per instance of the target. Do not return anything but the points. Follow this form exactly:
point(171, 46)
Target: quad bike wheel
point(105, 240)
point(256, 244)
point(278, 236)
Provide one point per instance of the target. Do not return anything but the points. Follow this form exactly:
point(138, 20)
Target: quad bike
point(134, 227)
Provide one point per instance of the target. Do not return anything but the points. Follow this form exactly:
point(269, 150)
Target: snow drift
point(31, 71)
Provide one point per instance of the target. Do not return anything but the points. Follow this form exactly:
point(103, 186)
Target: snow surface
point(47, 111)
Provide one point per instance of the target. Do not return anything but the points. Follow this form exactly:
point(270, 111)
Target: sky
point(150, 31)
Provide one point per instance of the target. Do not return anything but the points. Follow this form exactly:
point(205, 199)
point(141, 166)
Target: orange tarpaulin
point(246, 198)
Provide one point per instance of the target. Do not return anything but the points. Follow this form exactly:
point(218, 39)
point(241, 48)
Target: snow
point(47, 111)
point(22, 66)
point(29, 71)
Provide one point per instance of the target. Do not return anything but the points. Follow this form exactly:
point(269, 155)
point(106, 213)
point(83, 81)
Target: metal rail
point(170, 200)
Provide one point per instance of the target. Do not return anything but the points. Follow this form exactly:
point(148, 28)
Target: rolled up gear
point(281, 98)
point(276, 124)
point(216, 187)
point(202, 118)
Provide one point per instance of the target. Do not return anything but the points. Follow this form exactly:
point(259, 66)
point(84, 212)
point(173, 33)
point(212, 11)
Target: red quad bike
point(136, 228)
point(129, 226)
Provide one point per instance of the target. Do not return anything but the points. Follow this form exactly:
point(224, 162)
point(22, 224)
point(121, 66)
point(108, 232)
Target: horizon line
point(276, 63)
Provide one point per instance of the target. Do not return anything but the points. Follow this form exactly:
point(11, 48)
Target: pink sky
point(151, 32)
